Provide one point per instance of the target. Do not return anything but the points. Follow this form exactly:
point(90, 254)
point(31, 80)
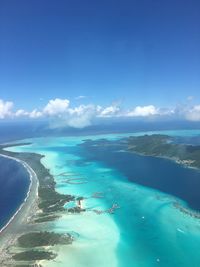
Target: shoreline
point(173, 159)
point(27, 220)
point(27, 194)
point(10, 232)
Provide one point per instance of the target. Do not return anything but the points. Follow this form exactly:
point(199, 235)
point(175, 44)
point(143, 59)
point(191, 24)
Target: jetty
point(80, 203)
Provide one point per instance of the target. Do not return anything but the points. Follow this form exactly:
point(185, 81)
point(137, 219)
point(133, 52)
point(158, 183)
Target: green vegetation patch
point(40, 239)
point(163, 146)
point(49, 218)
point(28, 265)
point(33, 255)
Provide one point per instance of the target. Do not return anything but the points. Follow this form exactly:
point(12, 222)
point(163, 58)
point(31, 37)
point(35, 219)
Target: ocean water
point(14, 184)
point(146, 231)
point(157, 173)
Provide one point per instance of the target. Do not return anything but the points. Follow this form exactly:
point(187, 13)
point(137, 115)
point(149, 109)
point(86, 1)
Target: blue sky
point(136, 53)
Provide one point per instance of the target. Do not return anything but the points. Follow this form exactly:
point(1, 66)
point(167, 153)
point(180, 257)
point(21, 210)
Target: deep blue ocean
point(14, 184)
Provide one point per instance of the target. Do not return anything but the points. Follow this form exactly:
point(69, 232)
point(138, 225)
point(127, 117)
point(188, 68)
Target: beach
point(18, 223)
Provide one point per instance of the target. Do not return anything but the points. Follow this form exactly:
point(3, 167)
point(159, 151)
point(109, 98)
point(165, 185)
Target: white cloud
point(143, 111)
point(35, 114)
point(110, 111)
point(81, 116)
point(193, 114)
point(5, 109)
point(21, 113)
point(78, 117)
point(56, 106)
point(60, 114)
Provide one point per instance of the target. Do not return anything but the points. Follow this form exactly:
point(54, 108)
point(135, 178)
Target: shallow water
point(145, 231)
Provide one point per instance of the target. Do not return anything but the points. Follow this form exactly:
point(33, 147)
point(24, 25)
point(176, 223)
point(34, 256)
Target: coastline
point(153, 147)
point(42, 205)
point(10, 232)
point(31, 172)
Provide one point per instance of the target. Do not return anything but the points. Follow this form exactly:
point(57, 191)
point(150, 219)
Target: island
point(164, 146)
point(24, 241)
point(159, 145)
point(124, 153)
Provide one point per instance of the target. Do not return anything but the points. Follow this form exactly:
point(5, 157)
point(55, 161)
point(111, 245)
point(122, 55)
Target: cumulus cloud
point(5, 109)
point(35, 114)
point(81, 116)
point(143, 111)
point(56, 106)
point(21, 113)
point(193, 114)
point(110, 111)
point(60, 113)
point(78, 117)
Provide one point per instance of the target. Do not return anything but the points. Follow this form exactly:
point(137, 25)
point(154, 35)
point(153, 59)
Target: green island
point(33, 255)
point(30, 245)
point(40, 239)
point(158, 145)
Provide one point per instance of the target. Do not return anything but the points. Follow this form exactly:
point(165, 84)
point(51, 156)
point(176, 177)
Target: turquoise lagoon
point(146, 231)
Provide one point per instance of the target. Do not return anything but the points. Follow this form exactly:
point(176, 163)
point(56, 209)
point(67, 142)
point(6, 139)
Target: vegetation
point(50, 202)
point(28, 265)
point(33, 255)
point(75, 210)
point(42, 218)
point(163, 146)
point(38, 239)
